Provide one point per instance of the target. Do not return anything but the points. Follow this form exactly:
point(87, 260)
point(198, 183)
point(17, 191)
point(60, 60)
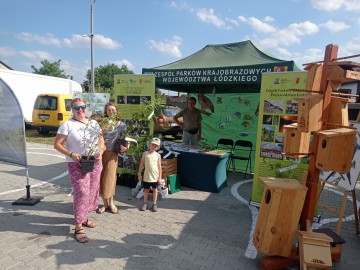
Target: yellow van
point(50, 111)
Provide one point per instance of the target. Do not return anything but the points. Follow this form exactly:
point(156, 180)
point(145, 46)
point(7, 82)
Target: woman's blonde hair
point(77, 100)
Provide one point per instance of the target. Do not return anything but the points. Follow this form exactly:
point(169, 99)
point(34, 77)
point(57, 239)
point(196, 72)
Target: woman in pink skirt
point(76, 138)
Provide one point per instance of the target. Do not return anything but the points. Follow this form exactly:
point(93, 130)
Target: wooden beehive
point(168, 167)
point(310, 113)
point(279, 215)
point(314, 250)
point(296, 143)
point(338, 111)
point(335, 149)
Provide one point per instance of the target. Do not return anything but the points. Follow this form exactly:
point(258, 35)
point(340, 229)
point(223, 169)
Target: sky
point(151, 33)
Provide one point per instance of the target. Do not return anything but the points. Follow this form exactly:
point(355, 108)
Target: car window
point(45, 103)
point(170, 112)
point(68, 104)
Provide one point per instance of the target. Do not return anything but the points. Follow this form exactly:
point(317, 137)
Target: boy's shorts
point(147, 185)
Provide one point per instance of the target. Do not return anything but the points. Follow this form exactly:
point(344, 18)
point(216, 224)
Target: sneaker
point(154, 208)
point(143, 207)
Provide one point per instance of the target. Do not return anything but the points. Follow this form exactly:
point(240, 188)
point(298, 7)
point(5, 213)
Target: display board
point(278, 107)
point(231, 116)
point(131, 93)
point(95, 102)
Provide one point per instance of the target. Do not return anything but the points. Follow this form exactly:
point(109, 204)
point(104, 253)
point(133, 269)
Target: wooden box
point(310, 113)
point(338, 111)
point(335, 244)
point(168, 166)
point(335, 149)
point(344, 71)
point(279, 215)
point(314, 250)
point(296, 143)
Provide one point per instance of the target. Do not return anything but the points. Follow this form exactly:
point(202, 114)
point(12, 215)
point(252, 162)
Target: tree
point(104, 78)
point(50, 69)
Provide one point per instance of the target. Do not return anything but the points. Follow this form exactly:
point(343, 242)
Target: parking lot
point(192, 230)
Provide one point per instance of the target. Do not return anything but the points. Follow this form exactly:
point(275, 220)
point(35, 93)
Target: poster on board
point(231, 116)
point(348, 180)
point(131, 93)
point(95, 102)
point(278, 107)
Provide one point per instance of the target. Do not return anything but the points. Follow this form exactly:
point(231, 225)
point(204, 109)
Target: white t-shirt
point(81, 137)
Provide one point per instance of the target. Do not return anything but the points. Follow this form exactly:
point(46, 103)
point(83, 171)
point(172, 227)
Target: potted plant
point(91, 144)
point(138, 128)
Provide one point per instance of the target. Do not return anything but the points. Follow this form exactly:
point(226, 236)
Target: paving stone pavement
point(192, 230)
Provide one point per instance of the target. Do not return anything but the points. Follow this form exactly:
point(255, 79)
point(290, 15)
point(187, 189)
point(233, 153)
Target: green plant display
point(138, 128)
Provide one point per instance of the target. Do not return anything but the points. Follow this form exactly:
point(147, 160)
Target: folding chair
point(226, 144)
point(242, 151)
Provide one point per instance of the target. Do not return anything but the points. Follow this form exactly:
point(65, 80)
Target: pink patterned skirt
point(85, 190)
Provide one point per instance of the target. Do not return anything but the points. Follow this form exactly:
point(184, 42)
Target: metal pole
point(92, 49)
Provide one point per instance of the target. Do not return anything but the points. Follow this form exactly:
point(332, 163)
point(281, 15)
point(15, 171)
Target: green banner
point(231, 116)
point(278, 107)
point(224, 75)
point(131, 91)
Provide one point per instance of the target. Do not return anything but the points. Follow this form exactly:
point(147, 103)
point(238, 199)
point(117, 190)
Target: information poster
point(278, 107)
point(131, 93)
point(231, 116)
point(95, 102)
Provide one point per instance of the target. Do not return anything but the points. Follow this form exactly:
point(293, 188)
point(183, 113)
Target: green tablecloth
point(203, 171)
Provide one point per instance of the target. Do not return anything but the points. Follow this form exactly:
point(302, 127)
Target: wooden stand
point(340, 214)
point(356, 213)
point(332, 75)
point(169, 167)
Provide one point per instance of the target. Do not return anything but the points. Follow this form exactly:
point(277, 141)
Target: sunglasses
point(77, 108)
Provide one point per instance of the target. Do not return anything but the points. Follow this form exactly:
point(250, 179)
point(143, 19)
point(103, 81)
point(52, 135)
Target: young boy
point(151, 162)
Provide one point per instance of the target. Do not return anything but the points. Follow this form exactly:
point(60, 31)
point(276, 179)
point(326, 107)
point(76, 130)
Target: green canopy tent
point(226, 79)
point(230, 68)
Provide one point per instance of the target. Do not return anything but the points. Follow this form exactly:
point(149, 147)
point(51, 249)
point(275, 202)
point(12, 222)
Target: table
point(203, 170)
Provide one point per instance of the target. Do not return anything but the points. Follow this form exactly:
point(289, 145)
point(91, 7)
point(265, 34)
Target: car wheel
point(43, 132)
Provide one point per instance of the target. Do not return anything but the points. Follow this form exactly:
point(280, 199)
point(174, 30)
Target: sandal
point(101, 210)
point(81, 239)
point(89, 224)
point(114, 210)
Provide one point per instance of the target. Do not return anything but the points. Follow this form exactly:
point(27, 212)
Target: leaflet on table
point(185, 148)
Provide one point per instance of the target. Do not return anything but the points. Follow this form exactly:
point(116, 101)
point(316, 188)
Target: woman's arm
point(59, 143)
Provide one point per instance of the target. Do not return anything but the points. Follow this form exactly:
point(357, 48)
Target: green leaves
point(50, 69)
